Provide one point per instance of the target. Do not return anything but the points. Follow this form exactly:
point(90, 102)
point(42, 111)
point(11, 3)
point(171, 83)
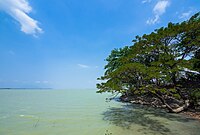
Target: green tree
point(158, 64)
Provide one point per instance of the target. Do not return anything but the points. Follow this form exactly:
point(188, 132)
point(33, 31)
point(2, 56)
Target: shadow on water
point(144, 116)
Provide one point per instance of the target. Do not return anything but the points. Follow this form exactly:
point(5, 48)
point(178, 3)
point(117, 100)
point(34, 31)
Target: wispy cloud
point(160, 7)
point(41, 82)
point(146, 1)
point(158, 10)
point(19, 10)
point(153, 20)
point(186, 15)
point(83, 66)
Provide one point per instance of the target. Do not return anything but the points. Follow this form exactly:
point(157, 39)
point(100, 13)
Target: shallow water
point(83, 112)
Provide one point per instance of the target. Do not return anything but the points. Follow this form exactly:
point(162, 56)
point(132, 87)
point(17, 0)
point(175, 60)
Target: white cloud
point(19, 10)
point(153, 20)
point(83, 66)
point(158, 10)
point(44, 82)
point(146, 1)
point(160, 7)
point(186, 15)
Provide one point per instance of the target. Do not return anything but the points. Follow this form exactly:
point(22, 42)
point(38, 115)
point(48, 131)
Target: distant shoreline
point(23, 88)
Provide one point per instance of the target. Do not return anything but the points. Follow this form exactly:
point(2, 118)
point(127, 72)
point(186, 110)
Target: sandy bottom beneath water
point(83, 112)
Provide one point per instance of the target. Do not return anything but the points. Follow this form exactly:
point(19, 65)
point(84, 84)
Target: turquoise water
point(83, 112)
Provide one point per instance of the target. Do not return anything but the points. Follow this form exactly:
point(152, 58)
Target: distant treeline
point(25, 88)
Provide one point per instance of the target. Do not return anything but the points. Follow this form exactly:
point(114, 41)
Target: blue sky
point(63, 43)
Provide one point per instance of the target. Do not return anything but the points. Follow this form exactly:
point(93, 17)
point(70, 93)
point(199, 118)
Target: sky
point(64, 43)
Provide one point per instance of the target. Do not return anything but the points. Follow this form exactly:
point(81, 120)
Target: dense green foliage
point(164, 62)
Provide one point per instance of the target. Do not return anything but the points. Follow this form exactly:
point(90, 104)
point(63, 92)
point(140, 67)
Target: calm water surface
point(83, 112)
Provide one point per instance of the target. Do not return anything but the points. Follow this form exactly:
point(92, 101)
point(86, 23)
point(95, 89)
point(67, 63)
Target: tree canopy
point(165, 62)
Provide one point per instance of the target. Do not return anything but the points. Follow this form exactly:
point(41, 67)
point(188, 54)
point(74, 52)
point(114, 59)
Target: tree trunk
point(177, 110)
point(182, 108)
